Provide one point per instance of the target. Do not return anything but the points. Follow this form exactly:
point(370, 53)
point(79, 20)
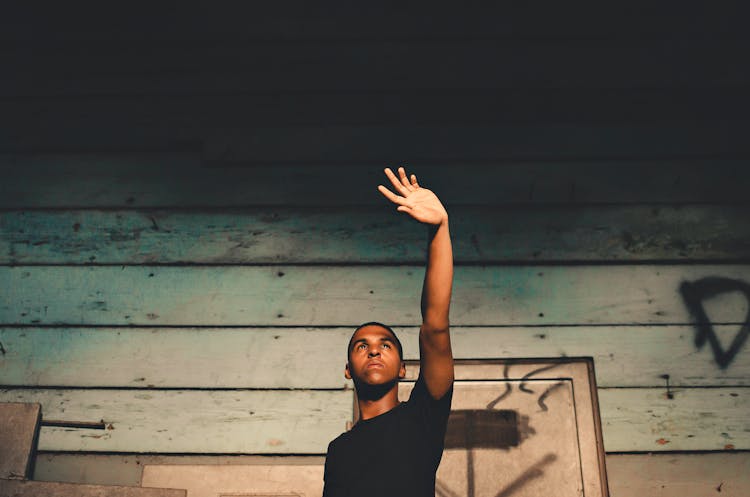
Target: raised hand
point(420, 203)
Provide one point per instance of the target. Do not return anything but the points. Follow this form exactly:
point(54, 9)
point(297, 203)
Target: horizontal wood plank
point(652, 356)
point(374, 235)
point(692, 419)
point(281, 66)
point(119, 469)
point(190, 421)
point(303, 422)
point(198, 358)
point(181, 180)
point(346, 296)
point(27, 488)
point(678, 475)
point(629, 475)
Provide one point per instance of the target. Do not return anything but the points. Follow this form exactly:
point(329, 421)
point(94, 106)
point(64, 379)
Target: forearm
point(435, 355)
point(438, 280)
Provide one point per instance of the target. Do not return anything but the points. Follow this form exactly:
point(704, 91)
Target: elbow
point(434, 328)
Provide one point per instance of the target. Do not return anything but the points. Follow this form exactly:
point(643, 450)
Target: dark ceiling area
point(295, 82)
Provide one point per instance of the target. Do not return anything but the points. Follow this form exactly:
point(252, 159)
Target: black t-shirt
point(394, 454)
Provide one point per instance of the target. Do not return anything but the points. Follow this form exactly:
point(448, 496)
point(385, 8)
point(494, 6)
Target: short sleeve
point(331, 481)
point(434, 413)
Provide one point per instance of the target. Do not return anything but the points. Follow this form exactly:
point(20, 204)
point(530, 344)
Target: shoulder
point(336, 454)
point(346, 442)
point(339, 441)
point(420, 393)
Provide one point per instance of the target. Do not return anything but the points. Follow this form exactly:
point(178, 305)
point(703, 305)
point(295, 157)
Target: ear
point(402, 371)
point(347, 374)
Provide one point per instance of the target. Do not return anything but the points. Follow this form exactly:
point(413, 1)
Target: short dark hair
point(385, 327)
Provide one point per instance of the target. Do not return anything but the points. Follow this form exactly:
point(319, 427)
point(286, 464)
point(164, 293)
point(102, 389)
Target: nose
point(373, 353)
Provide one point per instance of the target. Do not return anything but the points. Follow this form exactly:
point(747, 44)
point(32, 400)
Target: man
point(394, 449)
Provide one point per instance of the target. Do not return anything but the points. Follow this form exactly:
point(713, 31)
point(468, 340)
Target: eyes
point(363, 346)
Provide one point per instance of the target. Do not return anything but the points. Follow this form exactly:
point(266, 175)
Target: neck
point(374, 400)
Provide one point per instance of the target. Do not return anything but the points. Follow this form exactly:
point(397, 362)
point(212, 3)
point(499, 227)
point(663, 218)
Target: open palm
point(420, 203)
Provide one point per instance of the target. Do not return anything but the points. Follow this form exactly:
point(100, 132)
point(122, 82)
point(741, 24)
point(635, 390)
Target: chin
point(377, 381)
point(374, 391)
point(378, 378)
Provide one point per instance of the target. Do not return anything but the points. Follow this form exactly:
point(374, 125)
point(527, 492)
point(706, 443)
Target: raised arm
point(435, 356)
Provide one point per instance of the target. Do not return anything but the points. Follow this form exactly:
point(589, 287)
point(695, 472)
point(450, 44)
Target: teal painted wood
point(165, 180)
point(197, 358)
point(328, 296)
point(303, 422)
point(374, 235)
point(632, 356)
point(192, 421)
point(693, 419)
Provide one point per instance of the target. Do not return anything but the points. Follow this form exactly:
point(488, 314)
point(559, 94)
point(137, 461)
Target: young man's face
point(373, 357)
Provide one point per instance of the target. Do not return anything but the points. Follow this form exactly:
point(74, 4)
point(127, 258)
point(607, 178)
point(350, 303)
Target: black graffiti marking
point(533, 472)
point(483, 429)
point(464, 421)
point(694, 293)
point(546, 394)
point(508, 388)
point(522, 387)
point(470, 473)
point(670, 395)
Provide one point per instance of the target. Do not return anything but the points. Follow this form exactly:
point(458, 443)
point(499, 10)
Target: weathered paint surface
point(330, 296)
point(19, 425)
point(629, 475)
point(190, 421)
point(679, 475)
point(304, 421)
point(682, 419)
point(370, 235)
point(126, 469)
point(314, 357)
point(273, 114)
point(251, 480)
point(15, 488)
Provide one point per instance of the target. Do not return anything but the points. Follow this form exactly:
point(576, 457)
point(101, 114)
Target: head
point(374, 356)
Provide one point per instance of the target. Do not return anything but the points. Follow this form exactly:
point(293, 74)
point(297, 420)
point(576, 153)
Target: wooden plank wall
point(189, 226)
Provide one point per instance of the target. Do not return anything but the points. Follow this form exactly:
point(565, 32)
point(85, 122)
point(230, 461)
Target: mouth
point(375, 364)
